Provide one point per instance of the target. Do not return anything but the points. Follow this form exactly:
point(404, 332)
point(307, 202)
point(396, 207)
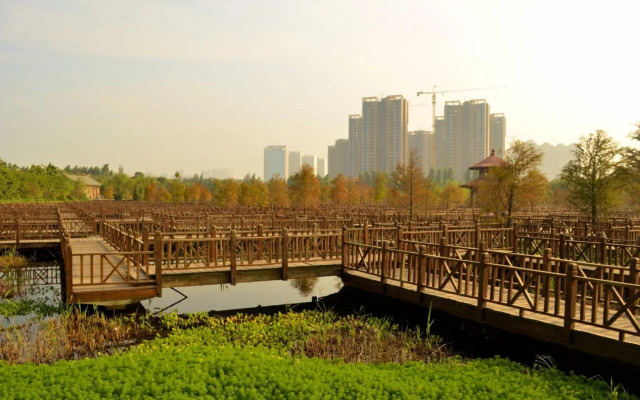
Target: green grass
point(265, 357)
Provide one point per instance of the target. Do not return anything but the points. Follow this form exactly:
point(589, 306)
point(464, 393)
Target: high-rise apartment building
point(276, 162)
point(383, 140)
point(321, 170)
point(294, 162)
point(355, 146)
point(475, 131)
point(423, 142)
point(497, 133)
point(310, 160)
point(464, 139)
point(339, 158)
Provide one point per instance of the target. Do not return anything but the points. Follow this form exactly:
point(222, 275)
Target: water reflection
point(304, 286)
point(243, 295)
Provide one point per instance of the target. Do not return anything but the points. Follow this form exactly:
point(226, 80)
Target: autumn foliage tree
point(408, 183)
point(507, 187)
point(305, 188)
point(339, 195)
point(278, 192)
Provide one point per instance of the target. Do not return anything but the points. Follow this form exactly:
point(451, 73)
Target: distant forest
point(49, 183)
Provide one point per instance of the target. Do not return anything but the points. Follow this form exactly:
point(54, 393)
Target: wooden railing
point(605, 296)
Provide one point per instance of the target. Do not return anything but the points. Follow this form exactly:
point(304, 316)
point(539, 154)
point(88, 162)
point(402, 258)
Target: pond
point(244, 295)
point(43, 287)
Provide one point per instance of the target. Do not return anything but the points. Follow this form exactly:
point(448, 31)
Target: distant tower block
point(275, 162)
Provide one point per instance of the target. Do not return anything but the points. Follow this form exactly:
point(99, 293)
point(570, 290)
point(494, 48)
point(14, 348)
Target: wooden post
point(157, 256)
point(345, 249)
point(383, 268)
point(260, 254)
point(546, 286)
point(316, 232)
point(481, 247)
point(571, 286)
point(443, 247)
point(603, 247)
point(68, 268)
point(366, 240)
point(399, 237)
point(233, 277)
point(213, 249)
point(633, 278)
point(483, 284)
point(285, 254)
point(145, 248)
point(421, 271)
point(561, 251)
point(478, 235)
point(514, 237)
point(18, 231)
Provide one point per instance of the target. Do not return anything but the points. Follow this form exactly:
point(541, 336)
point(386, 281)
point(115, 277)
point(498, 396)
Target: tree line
point(601, 176)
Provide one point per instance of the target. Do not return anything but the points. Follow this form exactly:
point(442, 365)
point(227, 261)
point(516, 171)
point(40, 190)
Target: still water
point(243, 295)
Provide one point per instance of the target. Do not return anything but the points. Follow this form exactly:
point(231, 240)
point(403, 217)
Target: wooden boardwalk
point(103, 274)
point(587, 297)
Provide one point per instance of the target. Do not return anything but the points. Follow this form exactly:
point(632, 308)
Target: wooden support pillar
point(514, 237)
point(483, 284)
point(562, 249)
point(570, 295)
point(213, 248)
point(233, 277)
point(285, 254)
point(383, 266)
point(157, 257)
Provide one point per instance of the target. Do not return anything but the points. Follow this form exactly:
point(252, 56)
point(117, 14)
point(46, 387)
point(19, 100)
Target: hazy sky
point(159, 86)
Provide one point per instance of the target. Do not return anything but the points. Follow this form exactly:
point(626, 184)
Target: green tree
point(591, 176)
point(380, 187)
point(452, 195)
point(505, 188)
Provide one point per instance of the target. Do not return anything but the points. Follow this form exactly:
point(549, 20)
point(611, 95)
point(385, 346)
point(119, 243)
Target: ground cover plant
point(293, 355)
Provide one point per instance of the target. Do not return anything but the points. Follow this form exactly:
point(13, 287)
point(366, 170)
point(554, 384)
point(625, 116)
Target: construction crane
point(434, 92)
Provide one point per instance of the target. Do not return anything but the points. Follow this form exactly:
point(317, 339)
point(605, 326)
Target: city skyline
point(159, 87)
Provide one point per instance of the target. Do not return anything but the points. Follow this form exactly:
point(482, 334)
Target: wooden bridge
point(551, 284)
